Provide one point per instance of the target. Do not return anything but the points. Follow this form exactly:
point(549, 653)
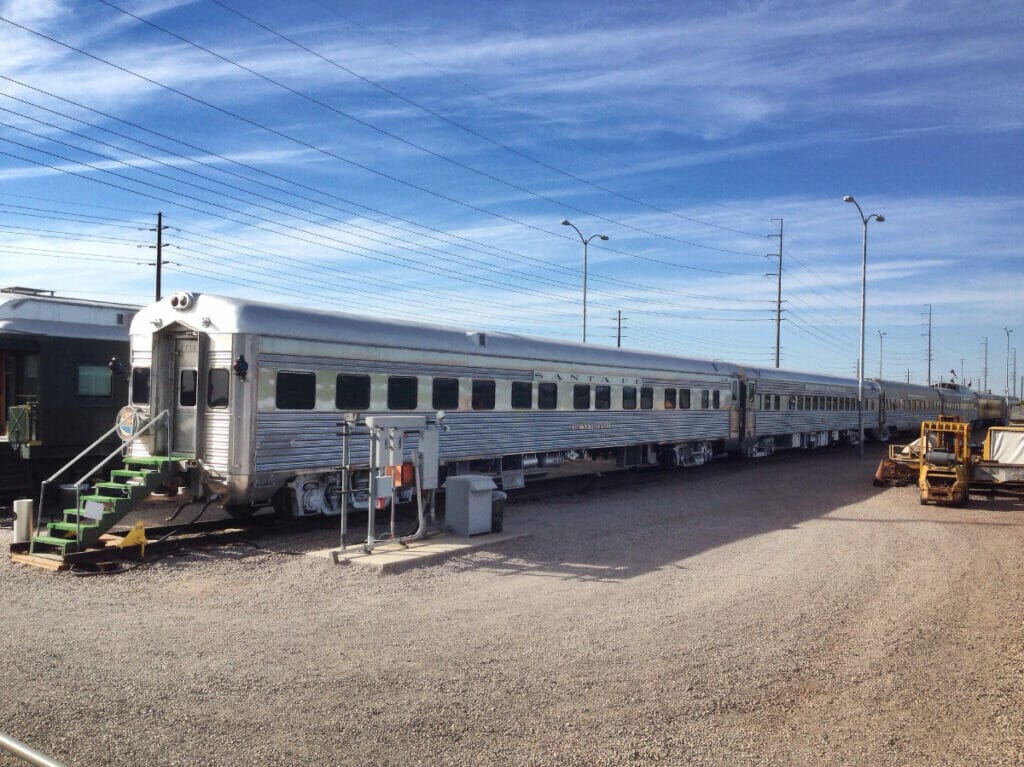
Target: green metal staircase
point(106, 504)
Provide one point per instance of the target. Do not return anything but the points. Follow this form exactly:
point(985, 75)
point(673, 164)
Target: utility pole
point(159, 250)
point(618, 335)
point(984, 369)
point(778, 295)
point(929, 344)
point(881, 335)
point(778, 291)
point(908, 375)
point(962, 379)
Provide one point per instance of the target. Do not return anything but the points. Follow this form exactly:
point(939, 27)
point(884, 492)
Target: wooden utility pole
point(159, 251)
point(778, 294)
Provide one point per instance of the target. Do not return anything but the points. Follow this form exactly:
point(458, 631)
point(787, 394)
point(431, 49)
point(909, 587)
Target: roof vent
point(480, 339)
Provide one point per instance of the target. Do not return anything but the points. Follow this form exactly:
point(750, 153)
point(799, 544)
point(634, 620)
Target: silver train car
point(254, 394)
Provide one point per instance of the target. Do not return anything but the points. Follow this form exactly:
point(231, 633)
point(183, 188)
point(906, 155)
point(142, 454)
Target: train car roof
point(775, 374)
point(59, 317)
point(212, 313)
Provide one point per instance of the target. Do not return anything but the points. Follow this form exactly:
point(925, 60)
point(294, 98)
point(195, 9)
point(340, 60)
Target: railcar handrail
point(136, 433)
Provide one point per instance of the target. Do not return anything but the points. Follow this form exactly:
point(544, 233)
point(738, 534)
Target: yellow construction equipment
point(944, 476)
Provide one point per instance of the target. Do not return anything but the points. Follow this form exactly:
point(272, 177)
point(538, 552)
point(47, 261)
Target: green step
point(59, 543)
point(71, 527)
point(115, 499)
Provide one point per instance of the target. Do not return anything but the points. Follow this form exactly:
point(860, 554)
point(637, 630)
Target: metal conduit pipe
point(26, 753)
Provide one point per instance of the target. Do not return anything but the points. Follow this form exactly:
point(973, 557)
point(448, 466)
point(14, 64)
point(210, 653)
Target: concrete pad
point(394, 557)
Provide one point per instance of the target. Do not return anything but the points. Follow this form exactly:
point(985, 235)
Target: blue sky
point(415, 160)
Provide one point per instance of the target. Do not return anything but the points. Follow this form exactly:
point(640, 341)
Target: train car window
point(522, 395)
point(581, 397)
point(402, 392)
point(446, 394)
point(716, 400)
point(705, 398)
point(94, 381)
point(646, 398)
point(629, 398)
point(140, 386)
point(684, 399)
point(791, 402)
point(778, 404)
point(602, 397)
point(483, 394)
point(352, 392)
point(188, 385)
point(547, 396)
point(670, 399)
point(217, 381)
point(295, 391)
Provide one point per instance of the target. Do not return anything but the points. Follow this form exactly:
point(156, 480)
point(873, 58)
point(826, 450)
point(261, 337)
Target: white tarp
point(1006, 446)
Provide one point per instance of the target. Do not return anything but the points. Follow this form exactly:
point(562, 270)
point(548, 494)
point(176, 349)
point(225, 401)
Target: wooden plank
point(41, 562)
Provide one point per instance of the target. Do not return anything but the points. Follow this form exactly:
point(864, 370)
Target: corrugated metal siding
point(217, 422)
point(291, 441)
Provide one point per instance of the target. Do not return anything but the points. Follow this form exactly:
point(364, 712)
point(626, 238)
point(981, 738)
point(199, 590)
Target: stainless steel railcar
point(254, 394)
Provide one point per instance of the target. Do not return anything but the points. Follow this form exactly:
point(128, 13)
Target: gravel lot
point(777, 612)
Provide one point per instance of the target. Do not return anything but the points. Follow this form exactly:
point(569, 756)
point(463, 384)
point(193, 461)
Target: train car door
point(185, 385)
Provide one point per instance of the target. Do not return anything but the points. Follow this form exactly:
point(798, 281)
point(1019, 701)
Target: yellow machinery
point(1001, 468)
point(944, 476)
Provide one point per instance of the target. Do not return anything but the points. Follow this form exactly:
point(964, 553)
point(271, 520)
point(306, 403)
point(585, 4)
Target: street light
point(881, 335)
point(863, 297)
point(586, 242)
point(1007, 331)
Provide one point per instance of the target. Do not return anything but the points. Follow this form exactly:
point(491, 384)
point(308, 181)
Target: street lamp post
point(881, 335)
point(586, 242)
point(1007, 331)
point(863, 305)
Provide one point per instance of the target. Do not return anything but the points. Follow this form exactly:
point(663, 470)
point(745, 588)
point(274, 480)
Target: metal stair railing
point(26, 753)
point(137, 431)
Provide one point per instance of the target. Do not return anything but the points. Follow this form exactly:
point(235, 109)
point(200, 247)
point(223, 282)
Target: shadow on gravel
point(616, 528)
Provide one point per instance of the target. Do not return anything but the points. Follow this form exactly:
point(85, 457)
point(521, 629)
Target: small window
point(295, 391)
point(402, 392)
point(646, 398)
point(602, 397)
point(217, 384)
point(352, 392)
point(684, 399)
point(188, 385)
point(140, 386)
point(483, 394)
point(446, 394)
point(716, 400)
point(522, 395)
point(94, 380)
point(629, 398)
point(778, 404)
point(547, 396)
point(670, 399)
point(705, 399)
point(581, 397)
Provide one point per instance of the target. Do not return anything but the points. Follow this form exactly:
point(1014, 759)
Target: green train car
point(61, 384)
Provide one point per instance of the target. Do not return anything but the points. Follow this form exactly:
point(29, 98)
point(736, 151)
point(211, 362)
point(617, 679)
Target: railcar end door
point(186, 394)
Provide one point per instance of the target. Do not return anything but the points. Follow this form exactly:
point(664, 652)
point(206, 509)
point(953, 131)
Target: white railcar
point(255, 394)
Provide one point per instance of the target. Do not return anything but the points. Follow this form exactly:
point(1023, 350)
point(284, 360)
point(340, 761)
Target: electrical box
point(467, 504)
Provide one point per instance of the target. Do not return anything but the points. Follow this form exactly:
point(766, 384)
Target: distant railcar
point(57, 389)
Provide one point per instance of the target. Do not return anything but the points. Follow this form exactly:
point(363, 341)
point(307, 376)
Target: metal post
point(26, 753)
point(881, 336)
point(159, 251)
point(586, 242)
point(1007, 331)
point(863, 305)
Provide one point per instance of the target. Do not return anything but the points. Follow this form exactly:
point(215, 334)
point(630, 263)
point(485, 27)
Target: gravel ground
point(777, 612)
